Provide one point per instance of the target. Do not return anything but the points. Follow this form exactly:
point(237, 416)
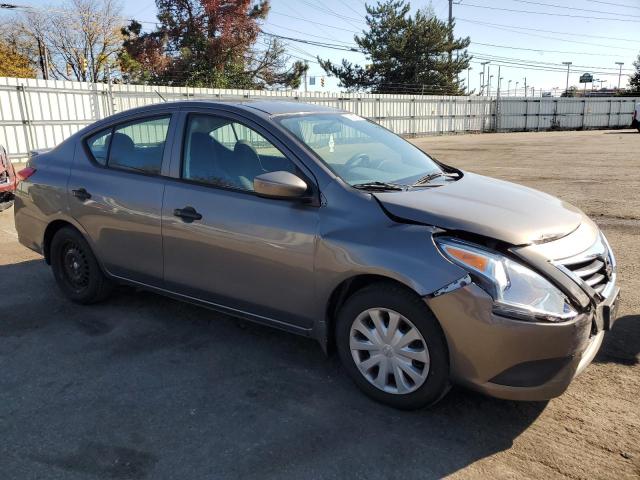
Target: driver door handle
point(188, 214)
point(81, 194)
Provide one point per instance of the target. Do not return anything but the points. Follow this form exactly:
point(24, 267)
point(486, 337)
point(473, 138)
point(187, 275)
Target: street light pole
point(516, 89)
point(568, 64)
point(525, 86)
point(468, 84)
point(509, 88)
point(619, 74)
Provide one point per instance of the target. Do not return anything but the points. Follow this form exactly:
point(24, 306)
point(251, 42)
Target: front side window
point(221, 152)
point(360, 151)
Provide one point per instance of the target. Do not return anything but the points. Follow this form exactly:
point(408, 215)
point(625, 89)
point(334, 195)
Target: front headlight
point(517, 291)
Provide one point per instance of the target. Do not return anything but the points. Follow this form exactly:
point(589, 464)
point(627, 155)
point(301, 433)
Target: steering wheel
point(357, 160)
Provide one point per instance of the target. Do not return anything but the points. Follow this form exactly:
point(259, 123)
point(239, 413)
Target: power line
point(326, 10)
point(552, 64)
point(314, 43)
point(311, 21)
point(513, 30)
point(555, 5)
point(614, 4)
point(310, 35)
point(536, 49)
point(547, 31)
point(547, 13)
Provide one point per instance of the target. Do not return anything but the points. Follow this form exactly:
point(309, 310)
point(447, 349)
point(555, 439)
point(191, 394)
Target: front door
point(115, 194)
point(224, 244)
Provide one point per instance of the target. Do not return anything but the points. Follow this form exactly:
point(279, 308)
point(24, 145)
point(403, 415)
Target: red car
point(8, 180)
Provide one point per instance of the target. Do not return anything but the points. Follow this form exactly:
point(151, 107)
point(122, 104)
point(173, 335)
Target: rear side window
point(137, 146)
point(99, 146)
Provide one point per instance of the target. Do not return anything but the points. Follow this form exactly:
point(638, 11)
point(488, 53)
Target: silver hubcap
point(389, 351)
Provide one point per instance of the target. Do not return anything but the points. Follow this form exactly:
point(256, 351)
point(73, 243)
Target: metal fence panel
point(38, 114)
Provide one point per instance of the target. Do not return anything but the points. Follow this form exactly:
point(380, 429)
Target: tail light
point(25, 173)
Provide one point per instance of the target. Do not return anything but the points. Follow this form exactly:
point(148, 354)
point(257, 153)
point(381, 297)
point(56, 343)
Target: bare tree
point(77, 41)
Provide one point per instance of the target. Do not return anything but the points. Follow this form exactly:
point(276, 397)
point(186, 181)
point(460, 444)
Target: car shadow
point(622, 343)
point(143, 386)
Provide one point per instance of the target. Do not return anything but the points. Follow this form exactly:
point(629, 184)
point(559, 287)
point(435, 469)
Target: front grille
point(595, 267)
point(593, 272)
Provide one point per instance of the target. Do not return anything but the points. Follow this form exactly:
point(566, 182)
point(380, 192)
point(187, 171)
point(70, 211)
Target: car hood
point(486, 206)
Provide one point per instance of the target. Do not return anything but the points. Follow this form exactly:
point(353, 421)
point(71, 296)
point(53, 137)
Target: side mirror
point(279, 184)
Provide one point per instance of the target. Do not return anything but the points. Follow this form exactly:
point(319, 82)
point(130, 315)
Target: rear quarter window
point(99, 146)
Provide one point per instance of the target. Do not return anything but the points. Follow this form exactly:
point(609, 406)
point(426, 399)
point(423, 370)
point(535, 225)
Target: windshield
point(359, 151)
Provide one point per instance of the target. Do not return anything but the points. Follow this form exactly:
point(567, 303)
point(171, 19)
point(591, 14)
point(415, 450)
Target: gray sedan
point(321, 223)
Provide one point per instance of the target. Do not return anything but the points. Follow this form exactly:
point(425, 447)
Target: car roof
point(283, 107)
point(269, 107)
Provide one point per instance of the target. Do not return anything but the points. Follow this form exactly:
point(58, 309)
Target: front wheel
point(393, 347)
point(76, 269)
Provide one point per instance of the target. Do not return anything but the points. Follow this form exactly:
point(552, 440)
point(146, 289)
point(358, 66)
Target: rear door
point(239, 250)
point(116, 191)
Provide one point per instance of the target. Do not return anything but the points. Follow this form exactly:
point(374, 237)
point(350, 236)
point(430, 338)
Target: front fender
point(357, 238)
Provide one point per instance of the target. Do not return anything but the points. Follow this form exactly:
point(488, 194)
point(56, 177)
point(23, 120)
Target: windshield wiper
point(378, 186)
point(427, 178)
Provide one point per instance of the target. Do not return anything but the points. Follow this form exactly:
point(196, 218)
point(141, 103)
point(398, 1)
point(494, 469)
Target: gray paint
point(485, 206)
point(279, 261)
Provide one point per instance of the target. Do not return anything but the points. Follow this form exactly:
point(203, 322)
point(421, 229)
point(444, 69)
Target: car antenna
point(158, 93)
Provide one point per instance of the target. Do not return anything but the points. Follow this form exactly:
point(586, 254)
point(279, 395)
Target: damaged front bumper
point(515, 359)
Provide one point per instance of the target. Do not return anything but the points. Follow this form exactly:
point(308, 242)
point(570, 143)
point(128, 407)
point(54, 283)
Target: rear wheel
point(393, 348)
point(76, 269)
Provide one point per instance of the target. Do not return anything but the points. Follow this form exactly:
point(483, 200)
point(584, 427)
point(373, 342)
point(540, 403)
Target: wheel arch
point(49, 232)
point(346, 289)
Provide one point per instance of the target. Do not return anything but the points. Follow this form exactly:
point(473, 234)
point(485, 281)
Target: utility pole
point(525, 87)
point(488, 77)
point(509, 88)
point(481, 83)
point(568, 64)
point(516, 89)
point(450, 30)
point(499, 80)
point(619, 74)
point(489, 85)
point(42, 56)
point(468, 84)
point(484, 64)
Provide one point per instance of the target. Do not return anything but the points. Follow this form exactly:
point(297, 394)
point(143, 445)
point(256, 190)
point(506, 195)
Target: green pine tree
point(406, 54)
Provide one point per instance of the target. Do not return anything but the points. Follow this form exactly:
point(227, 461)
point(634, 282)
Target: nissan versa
point(321, 223)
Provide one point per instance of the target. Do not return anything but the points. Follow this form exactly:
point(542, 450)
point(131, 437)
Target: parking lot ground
point(147, 387)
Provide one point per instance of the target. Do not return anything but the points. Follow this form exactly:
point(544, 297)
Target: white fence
point(41, 113)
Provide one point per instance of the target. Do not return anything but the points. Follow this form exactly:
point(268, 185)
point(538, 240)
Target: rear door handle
point(188, 214)
point(81, 194)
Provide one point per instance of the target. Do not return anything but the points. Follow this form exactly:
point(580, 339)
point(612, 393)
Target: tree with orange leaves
point(208, 43)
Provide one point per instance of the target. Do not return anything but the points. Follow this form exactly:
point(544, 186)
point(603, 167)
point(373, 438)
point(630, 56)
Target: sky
point(526, 38)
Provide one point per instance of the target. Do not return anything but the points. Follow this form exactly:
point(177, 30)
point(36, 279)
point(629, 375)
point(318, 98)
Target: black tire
point(76, 269)
point(413, 308)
